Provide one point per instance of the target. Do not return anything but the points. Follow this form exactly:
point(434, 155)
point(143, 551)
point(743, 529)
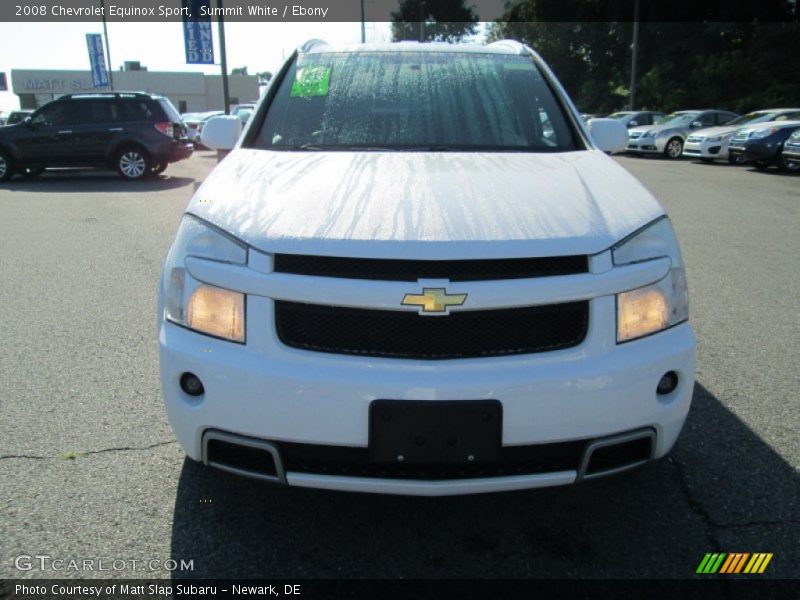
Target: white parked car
point(636, 118)
point(401, 281)
point(667, 135)
point(195, 121)
point(710, 144)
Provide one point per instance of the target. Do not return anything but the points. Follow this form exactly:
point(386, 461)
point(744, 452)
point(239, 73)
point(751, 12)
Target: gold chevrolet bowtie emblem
point(434, 300)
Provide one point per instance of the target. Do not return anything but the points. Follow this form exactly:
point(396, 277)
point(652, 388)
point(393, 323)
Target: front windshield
point(619, 115)
point(415, 100)
point(677, 119)
point(751, 118)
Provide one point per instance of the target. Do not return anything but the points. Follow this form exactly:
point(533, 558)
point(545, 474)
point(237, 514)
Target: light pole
point(223, 59)
point(421, 21)
point(634, 52)
point(363, 30)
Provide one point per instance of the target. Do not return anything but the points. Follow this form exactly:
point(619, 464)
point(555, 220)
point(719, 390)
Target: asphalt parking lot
point(89, 467)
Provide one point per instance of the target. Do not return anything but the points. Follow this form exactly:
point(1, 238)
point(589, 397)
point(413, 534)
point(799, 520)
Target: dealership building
point(189, 92)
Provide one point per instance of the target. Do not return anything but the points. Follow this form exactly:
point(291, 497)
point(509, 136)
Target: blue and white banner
point(197, 33)
point(97, 60)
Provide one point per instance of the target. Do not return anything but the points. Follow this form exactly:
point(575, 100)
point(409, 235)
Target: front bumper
point(761, 151)
point(755, 150)
point(646, 145)
point(267, 391)
point(706, 149)
point(791, 152)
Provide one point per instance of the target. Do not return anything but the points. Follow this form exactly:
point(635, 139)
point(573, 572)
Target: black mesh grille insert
point(412, 270)
point(354, 462)
point(465, 334)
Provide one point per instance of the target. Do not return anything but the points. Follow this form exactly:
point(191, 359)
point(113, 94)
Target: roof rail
point(509, 45)
point(310, 44)
point(94, 94)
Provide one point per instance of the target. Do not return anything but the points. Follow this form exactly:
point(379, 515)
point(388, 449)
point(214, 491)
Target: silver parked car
point(667, 136)
point(791, 151)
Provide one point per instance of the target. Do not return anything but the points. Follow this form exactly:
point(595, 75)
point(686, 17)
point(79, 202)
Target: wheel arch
point(118, 146)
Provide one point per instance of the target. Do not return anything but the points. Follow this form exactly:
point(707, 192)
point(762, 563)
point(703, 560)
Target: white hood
point(719, 130)
point(434, 205)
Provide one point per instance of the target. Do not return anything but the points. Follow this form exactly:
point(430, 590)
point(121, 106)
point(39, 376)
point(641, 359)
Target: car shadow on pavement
point(716, 163)
point(93, 181)
point(775, 172)
point(722, 488)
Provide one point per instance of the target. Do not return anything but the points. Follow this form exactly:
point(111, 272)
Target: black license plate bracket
point(435, 432)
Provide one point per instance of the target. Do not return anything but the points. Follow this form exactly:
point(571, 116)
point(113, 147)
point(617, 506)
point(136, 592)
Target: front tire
point(6, 166)
point(761, 165)
point(735, 159)
point(674, 148)
point(707, 161)
point(159, 168)
point(133, 163)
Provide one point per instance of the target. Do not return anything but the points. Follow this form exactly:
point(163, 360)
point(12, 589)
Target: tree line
point(687, 58)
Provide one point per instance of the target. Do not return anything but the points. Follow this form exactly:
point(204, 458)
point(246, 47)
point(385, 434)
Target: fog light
point(192, 385)
point(667, 383)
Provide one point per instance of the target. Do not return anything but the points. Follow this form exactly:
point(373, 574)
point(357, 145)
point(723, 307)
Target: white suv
point(401, 281)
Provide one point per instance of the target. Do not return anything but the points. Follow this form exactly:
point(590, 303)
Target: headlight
point(654, 307)
point(762, 133)
point(190, 303)
point(648, 134)
point(716, 138)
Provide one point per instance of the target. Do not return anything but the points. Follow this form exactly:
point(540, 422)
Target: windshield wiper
point(427, 148)
point(298, 147)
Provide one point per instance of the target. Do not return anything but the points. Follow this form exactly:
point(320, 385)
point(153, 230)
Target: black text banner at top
point(383, 10)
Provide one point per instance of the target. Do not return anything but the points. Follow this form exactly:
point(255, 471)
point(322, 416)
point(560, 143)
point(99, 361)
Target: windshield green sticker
point(311, 81)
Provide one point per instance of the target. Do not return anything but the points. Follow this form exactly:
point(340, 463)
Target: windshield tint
point(760, 117)
point(415, 101)
point(752, 118)
point(677, 119)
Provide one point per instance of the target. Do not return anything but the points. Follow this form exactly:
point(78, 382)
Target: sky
point(159, 46)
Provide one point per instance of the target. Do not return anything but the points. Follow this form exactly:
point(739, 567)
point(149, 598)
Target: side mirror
point(633, 124)
point(609, 135)
point(221, 133)
point(696, 124)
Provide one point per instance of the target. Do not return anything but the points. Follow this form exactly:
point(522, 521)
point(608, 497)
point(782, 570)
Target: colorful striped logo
point(734, 562)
